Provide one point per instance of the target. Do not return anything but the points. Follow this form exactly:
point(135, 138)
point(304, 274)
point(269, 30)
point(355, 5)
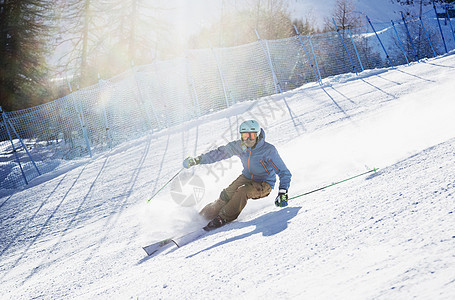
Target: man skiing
point(261, 163)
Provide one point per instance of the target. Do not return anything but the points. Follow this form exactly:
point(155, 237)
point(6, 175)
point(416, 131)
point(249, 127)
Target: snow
point(78, 233)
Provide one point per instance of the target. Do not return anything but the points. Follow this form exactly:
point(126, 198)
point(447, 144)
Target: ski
point(158, 246)
point(178, 242)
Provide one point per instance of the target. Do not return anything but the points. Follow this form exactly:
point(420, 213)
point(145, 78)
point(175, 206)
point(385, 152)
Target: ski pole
point(150, 199)
point(324, 187)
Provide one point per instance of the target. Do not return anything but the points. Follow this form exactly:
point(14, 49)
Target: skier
point(261, 163)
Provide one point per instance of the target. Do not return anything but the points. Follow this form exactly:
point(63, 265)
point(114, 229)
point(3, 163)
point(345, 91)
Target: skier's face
point(249, 139)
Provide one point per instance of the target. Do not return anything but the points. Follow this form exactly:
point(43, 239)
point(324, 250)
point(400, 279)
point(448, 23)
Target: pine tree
point(24, 37)
point(79, 32)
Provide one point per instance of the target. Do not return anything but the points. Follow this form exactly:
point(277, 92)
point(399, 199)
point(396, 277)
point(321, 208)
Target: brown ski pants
point(234, 198)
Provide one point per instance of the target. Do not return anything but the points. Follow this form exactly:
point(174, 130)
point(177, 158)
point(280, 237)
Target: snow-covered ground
point(386, 235)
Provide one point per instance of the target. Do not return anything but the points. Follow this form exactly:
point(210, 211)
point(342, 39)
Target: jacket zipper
point(249, 156)
point(262, 163)
point(274, 165)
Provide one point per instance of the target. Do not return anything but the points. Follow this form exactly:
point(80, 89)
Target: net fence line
point(150, 98)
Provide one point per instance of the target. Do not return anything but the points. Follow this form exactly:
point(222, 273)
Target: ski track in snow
point(385, 235)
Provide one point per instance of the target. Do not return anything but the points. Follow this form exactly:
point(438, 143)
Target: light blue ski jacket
point(260, 163)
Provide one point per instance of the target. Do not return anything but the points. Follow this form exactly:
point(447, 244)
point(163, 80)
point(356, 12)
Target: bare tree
point(270, 18)
point(344, 15)
point(80, 24)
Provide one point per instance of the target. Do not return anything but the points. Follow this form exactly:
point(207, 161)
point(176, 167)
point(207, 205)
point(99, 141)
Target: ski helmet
point(250, 126)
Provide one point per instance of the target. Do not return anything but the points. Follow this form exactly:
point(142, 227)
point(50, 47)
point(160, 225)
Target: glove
point(282, 198)
point(191, 161)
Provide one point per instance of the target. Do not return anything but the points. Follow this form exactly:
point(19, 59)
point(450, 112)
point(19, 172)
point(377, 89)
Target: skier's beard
point(250, 143)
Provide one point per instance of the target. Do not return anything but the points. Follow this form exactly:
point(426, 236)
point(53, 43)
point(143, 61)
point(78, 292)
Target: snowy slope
point(387, 235)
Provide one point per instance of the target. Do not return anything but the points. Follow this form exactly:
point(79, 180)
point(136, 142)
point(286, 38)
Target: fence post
point(440, 28)
point(399, 41)
point(308, 56)
point(267, 55)
point(192, 86)
point(226, 88)
point(106, 120)
point(355, 49)
point(12, 144)
point(383, 48)
point(6, 121)
point(450, 23)
point(23, 145)
point(428, 37)
point(150, 96)
point(409, 36)
point(80, 115)
point(345, 48)
point(315, 59)
point(277, 84)
point(141, 98)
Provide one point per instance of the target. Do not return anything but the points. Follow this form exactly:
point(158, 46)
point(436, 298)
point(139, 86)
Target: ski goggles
point(249, 135)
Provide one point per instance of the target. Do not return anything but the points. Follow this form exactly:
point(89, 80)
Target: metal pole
point(267, 55)
point(25, 148)
point(383, 48)
point(153, 196)
point(428, 37)
point(106, 120)
point(345, 48)
point(12, 144)
point(450, 23)
point(151, 97)
point(399, 41)
point(355, 48)
point(141, 98)
point(80, 115)
point(223, 81)
point(409, 36)
point(315, 59)
point(335, 183)
point(277, 84)
point(311, 64)
point(193, 92)
point(440, 28)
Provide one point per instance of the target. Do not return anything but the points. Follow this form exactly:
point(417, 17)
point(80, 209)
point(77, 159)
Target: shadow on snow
point(268, 224)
